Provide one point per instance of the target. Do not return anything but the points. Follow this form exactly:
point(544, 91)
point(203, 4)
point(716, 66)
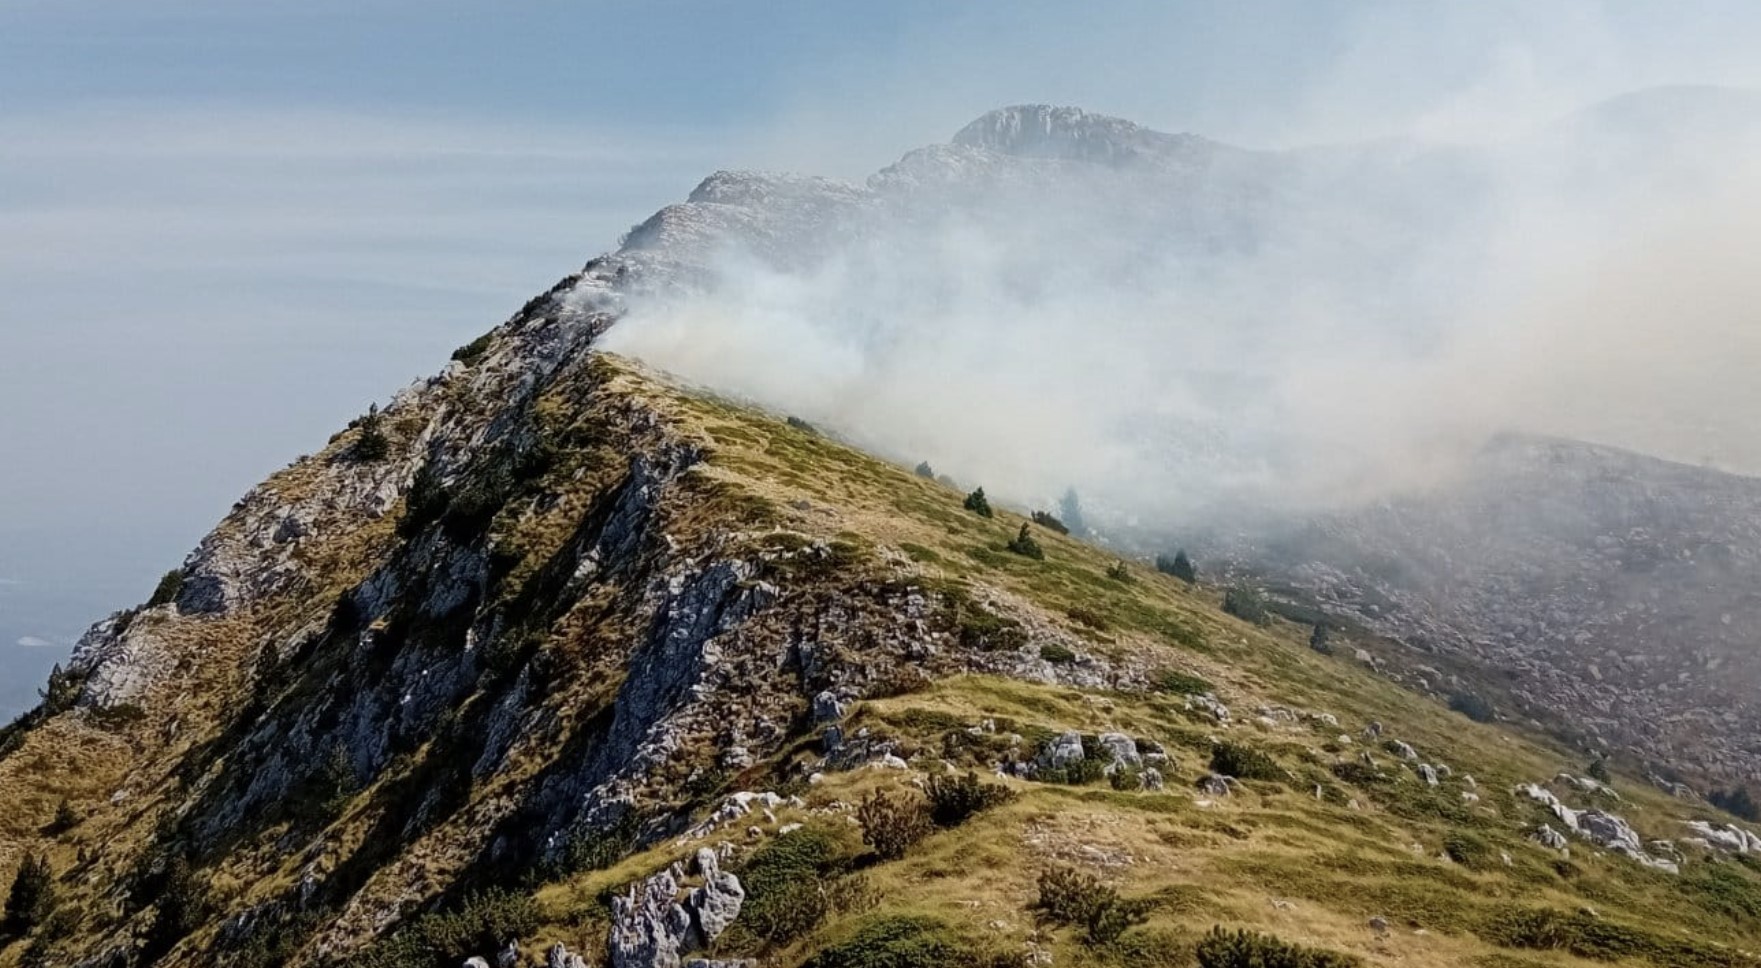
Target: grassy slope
point(1274, 857)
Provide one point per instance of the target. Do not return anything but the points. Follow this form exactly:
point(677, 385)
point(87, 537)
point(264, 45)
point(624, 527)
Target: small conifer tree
point(978, 504)
point(372, 445)
point(1025, 546)
point(32, 897)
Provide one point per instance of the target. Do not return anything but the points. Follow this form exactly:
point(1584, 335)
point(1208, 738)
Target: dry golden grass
point(1272, 858)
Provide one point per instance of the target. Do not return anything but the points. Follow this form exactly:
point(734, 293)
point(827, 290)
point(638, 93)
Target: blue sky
point(225, 228)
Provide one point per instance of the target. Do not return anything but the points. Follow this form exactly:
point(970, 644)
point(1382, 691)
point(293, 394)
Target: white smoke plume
point(1265, 329)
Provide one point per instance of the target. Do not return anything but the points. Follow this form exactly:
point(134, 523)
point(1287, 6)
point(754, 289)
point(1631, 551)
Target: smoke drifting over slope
point(1172, 324)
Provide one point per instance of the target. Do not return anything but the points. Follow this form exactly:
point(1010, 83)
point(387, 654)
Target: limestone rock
point(1122, 749)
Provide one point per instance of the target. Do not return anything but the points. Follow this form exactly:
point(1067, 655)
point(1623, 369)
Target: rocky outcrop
point(1728, 838)
point(1599, 827)
point(652, 927)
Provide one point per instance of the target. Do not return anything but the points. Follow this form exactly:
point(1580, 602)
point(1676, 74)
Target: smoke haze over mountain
point(251, 221)
point(1171, 323)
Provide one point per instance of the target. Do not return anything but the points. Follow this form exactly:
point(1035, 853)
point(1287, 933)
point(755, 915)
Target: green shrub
point(593, 850)
point(803, 426)
point(1245, 949)
point(892, 824)
point(66, 818)
point(323, 795)
point(424, 503)
point(1082, 772)
point(166, 592)
point(1469, 851)
point(955, 799)
point(1119, 571)
point(1247, 605)
point(1358, 773)
point(1049, 522)
point(1245, 763)
point(271, 942)
point(1083, 615)
point(1318, 639)
point(903, 942)
point(1178, 566)
point(372, 444)
point(60, 925)
point(183, 905)
point(1024, 545)
point(480, 926)
point(1601, 939)
point(120, 716)
point(986, 631)
point(1723, 888)
point(58, 695)
point(785, 883)
point(1598, 770)
point(925, 471)
point(1182, 684)
point(1126, 778)
point(1056, 653)
point(31, 898)
point(1474, 706)
point(978, 504)
point(1069, 897)
point(1737, 802)
point(473, 351)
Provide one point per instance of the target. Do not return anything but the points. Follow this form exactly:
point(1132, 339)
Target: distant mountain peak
point(1070, 134)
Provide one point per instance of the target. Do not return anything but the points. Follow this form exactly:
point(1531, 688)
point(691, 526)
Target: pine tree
point(1736, 801)
point(1183, 568)
point(926, 471)
point(59, 693)
point(31, 899)
point(66, 817)
point(1025, 546)
point(1318, 639)
point(372, 445)
point(1070, 512)
point(978, 504)
point(183, 902)
point(1178, 566)
point(1598, 770)
point(169, 587)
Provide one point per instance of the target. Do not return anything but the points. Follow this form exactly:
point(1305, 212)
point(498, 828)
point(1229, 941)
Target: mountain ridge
point(559, 653)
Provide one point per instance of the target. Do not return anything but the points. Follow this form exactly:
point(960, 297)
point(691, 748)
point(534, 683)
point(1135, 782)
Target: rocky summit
point(559, 660)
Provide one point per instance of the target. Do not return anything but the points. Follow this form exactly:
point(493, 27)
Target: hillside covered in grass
point(558, 661)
